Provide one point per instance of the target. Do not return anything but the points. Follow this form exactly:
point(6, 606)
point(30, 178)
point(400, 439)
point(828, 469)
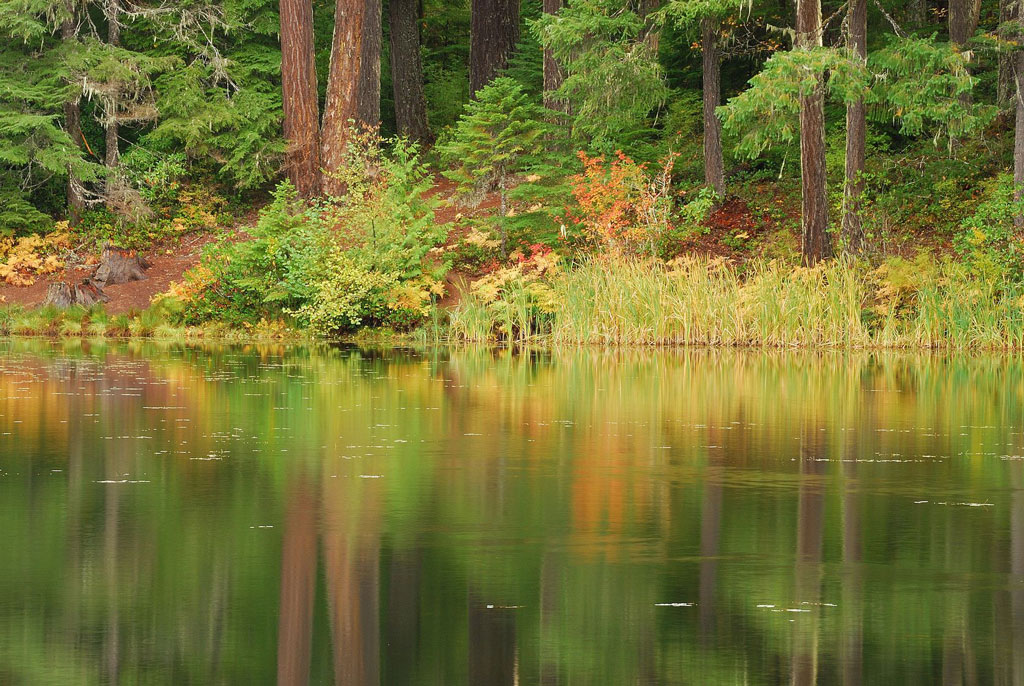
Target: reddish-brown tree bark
point(299, 95)
point(816, 244)
point(494, 32)
point(407, 71)
point(341, 110)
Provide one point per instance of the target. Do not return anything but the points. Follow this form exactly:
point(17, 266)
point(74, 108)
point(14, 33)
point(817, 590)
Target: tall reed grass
point(706, 302)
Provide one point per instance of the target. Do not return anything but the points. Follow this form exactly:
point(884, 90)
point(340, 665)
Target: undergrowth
point(921, 303)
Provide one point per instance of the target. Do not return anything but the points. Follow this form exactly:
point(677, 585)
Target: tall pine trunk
point(368, 108)
point(714, 165)
point(73, 127)
point(856, 136)
point(113, 152)
point(494, 32)
point(299, 93)
point(815, 243)
point(407, 71)
point(554, 74)
point(343, 89)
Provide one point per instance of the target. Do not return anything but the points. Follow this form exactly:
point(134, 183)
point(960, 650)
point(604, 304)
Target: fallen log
point(63, 294)
point(120, 266)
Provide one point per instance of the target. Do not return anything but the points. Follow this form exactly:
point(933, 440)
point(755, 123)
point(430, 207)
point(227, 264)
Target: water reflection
point(175, 514)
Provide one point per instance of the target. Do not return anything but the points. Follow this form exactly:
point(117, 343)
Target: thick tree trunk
point(856, 136)
point(368, 107)
point(299, 93)
point(963, 19)
point(407, 71)
point(343, 87)
point(714, 165)
point(113, 153)
point(816, 244)
point(554, 74)
point(73, 127)
point(494, 32)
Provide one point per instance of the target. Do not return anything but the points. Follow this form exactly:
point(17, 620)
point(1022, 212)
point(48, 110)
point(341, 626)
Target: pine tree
point(498, 134)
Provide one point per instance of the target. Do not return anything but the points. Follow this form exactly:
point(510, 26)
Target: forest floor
point(168, 261)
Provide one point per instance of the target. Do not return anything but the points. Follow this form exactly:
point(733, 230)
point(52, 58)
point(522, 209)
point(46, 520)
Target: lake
point(174, 514)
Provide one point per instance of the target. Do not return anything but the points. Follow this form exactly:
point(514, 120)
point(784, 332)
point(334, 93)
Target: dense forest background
point(737, 128)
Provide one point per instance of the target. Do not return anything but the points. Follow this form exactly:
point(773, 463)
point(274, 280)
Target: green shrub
point(348, 298)
point(988, 239)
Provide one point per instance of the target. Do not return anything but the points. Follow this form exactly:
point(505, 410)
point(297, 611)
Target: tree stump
point(120, 266)
point(63, 294)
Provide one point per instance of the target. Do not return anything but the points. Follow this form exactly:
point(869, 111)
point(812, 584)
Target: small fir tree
point(498, 136)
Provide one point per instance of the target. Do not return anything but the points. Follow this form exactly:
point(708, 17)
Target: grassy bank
point(696, 301)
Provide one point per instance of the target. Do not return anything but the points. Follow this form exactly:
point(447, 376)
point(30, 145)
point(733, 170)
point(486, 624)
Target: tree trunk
point(368, 107)
point(917, 13)
point(815, 244)
point(1007, 12)
point(554, 74)
point(407, 71)
point(714, 165)
point(962, 21)
point(494, 32)
point(1018, 137)
point(73, 127)
point(856, 136)
point(113, 153)
point(343, 87)
point(299, 95)
point(652, 31)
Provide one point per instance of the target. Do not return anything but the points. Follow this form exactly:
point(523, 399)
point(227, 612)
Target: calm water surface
point(251, 515)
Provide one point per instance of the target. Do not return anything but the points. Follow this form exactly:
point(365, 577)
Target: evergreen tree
point(499, 133)
point(613, 80)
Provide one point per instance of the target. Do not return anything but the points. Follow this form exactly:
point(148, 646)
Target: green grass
point(704, 302)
